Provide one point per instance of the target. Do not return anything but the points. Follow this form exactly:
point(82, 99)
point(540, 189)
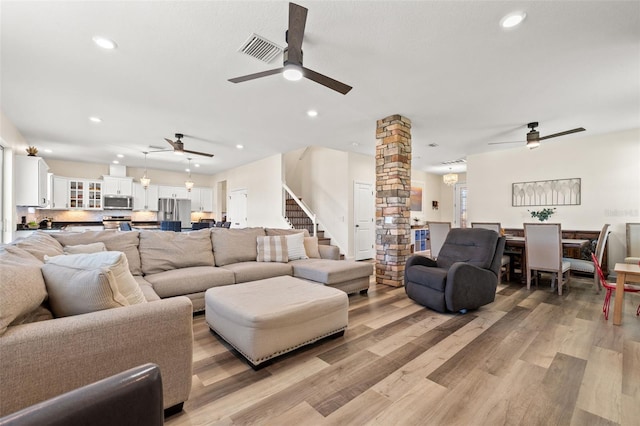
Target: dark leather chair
point(464, 277)
point(133, 397)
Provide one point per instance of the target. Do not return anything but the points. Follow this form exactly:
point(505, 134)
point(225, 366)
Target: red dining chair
point(610, 287)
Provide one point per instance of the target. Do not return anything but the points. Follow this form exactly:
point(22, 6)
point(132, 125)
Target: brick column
point(393, 188)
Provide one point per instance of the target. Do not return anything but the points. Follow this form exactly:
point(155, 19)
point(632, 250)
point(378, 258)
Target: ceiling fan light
point(292, 72)
point(533, 144)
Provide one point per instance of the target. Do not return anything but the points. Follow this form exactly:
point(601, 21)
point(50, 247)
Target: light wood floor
point(529, 358)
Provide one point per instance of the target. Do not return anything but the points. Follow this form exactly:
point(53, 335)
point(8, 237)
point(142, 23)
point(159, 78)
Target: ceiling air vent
point(260, 48)
point(459, 161)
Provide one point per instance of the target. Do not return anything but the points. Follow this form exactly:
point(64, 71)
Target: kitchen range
point(116, 222)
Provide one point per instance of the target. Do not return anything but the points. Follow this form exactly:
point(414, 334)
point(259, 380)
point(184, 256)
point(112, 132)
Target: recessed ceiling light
point(104, 42)
point(187, 170)
point(48, 151)
point(197, 165)
point(513, 19)
point(355, 144)
point(120, 156)
point(95, 119)
point(312, 113)
point(115, 162)
point(239, 146)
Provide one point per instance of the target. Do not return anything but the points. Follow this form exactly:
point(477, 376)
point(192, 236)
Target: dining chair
point(437, 234)
point(505, 262)
point(610, 287)
point(633, 243)
point(543, 246)
point(587, 266)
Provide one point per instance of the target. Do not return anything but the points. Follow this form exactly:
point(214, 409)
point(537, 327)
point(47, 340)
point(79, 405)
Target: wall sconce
point(434, 205)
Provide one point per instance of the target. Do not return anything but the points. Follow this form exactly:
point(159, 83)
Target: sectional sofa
point(43, 354)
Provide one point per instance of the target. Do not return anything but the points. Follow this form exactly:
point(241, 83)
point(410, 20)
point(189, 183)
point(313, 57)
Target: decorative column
point(393, 189)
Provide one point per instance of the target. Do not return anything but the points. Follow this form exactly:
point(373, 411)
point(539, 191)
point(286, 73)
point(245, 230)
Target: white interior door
point(364, 209)
point(237, 208)
point(460, 206)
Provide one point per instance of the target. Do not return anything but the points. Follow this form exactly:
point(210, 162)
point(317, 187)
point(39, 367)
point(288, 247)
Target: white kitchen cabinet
point(114, 185)
point(145, 199)
point(173, 192)
point(201, 200)
point(59, 193)
point(85, 194)
point(31, 181)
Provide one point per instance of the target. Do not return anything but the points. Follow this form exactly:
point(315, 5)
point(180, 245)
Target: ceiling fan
point(533, 136)
point(178, 147)
point(292, 68)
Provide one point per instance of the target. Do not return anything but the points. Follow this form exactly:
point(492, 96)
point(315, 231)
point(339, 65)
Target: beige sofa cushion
point(146, 288)
point(272, 249)
point(162, 250)
point(40, 244)
point(184, 281)
point(126, 242)
point(311, 247)
point(115, 261)
point(85, 248)
point(235, 245)
point(252, 271)
point(22, 288)
point(285, 231)
point(75, 291)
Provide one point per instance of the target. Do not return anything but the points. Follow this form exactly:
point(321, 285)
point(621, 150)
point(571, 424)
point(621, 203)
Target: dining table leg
point(617, 305)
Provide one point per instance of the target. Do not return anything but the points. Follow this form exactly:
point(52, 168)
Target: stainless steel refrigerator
point(176, 210)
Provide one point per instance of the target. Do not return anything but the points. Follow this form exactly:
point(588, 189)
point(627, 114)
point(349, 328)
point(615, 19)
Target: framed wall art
point(557, 192)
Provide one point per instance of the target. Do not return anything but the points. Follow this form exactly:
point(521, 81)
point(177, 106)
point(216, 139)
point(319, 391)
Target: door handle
point(357, 226)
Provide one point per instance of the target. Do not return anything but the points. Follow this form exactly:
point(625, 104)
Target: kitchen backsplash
point(93, 216)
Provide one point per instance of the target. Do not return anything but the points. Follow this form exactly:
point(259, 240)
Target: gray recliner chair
point(464, 277)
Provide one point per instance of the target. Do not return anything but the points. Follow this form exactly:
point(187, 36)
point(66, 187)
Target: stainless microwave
point(117, 202)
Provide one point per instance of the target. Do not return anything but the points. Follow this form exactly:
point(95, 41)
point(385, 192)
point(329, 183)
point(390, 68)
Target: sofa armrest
point(44, 359)
point(329, 252)
point(469, 286)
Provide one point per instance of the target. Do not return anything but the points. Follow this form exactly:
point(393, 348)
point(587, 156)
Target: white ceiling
point(446, 65)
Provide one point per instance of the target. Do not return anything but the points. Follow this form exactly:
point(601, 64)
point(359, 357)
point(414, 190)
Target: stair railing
point(288, 193)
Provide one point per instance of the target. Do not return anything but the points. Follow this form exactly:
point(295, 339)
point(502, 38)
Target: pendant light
point(450, 178)
point(189, 183)
point(144, 180)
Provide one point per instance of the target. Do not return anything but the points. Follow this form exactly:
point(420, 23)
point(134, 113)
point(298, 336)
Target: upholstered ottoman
point(266, 318)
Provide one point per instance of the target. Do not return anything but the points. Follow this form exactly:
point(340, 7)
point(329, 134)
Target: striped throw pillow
point(272, 249)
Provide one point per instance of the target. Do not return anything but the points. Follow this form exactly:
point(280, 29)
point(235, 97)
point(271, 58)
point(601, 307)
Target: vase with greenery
point(542, 215)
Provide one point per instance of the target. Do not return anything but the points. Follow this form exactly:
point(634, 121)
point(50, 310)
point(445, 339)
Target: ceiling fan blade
point(295, 33)
point(198, 153)
point(501, 143)
point(172, 143)
point(161, 150)
point(254, 76)
point(326, 81)
point(567, 132)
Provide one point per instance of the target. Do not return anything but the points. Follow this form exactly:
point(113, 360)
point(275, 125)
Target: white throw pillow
point(114, 261)
point(272, 249)
point(295, 246)
point(85, 248)
point(311, 247)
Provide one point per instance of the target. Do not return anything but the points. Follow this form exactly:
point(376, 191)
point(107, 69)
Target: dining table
point(626, 272)
point(516, 245)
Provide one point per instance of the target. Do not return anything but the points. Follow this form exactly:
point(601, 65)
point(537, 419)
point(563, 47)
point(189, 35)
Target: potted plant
point(542, 215)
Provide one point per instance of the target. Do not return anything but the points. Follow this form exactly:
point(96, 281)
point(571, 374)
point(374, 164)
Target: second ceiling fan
point(178, 147)
point(292, 68)
point(534, 138)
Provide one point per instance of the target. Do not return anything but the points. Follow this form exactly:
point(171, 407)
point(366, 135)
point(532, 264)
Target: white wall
point(263, 181)
point(609, 166)
point(435, 190)
point(361, 168)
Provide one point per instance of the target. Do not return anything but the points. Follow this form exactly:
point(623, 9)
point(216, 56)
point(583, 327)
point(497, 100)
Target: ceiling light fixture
point(512, 20)
point(144, 180)
point(450, 178)
point(115, 162)
point(189, 183)
point(95, 119)
point(312, 113)
point(533, 144)
point(239, 146)
point(120, 156)
point(48, 151)
point(292, 72)
point(104, 42)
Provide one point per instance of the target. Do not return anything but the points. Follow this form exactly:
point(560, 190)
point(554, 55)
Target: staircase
point(300, 220)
